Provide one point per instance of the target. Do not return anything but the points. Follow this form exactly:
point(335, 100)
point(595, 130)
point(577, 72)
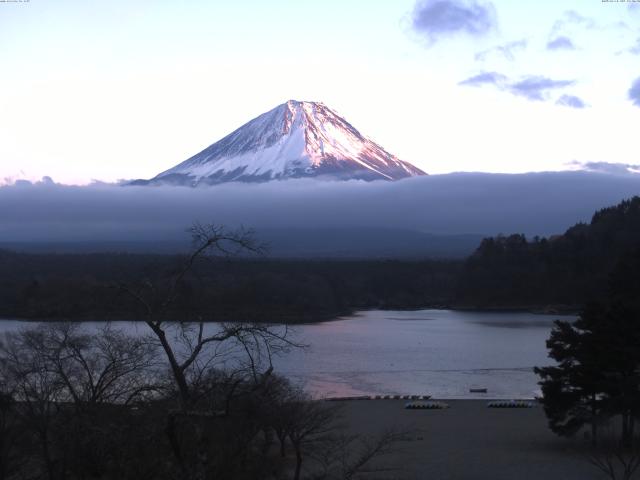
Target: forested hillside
point(565, 270)
point(86, 287)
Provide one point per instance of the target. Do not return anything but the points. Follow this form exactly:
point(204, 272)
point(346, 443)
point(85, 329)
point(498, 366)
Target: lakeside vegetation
point(85, 287)
point(564, 270)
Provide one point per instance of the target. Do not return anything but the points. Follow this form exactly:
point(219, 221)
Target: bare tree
point(322, 447)
point(244, 351)
point(193, 349)
point(104, 367)
point(36, 388)
point(347, 457)
point(11, 437)
point(56, 368)
point(617, 460)
point(310, 423)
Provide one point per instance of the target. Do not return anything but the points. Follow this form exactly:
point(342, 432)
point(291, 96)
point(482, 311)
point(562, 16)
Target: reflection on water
point(443, 353)
point(521, 324)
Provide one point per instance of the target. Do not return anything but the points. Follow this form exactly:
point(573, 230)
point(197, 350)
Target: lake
point(442, 353)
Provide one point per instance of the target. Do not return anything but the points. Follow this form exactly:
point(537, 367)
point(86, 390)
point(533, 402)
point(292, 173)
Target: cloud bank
point(465, 203)
point(608, 168)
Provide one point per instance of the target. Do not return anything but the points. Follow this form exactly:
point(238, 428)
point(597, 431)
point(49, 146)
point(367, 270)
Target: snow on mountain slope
point(295, 139)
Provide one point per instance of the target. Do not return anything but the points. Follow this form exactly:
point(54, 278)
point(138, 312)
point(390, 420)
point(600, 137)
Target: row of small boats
point(435, 405)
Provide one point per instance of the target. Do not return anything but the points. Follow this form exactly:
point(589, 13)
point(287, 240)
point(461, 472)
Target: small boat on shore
point(477, 390)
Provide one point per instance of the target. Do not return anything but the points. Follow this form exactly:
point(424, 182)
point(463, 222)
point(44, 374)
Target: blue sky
point(121, 89)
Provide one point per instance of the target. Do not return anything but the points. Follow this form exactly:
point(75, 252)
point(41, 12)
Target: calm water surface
point(443, 353)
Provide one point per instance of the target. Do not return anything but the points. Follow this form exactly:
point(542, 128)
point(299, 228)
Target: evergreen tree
point(597, 375)
point(573, 390)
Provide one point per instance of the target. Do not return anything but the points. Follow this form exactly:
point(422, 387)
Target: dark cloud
point(634, 92)
point(492, 78)
point(609, 168)
point(437, 18)
point(541, 203)
point(571, 101)
point(507, 50)
point(561, 43)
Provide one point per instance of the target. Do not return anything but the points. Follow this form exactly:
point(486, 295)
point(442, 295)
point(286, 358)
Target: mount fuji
point(294, 140)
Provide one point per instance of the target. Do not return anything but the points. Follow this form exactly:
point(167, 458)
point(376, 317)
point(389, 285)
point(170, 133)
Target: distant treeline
point(89, 287)
point(569, 269)
point(504, 272)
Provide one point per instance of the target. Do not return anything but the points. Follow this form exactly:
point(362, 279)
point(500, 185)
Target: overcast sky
point(125, 89)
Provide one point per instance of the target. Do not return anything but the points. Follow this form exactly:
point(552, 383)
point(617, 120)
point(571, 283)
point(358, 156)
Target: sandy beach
point(471, 441)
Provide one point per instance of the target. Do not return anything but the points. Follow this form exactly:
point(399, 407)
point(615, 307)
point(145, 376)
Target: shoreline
point(426, 397)
point(561, 310)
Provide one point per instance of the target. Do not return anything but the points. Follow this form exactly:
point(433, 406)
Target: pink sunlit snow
point(295, 139)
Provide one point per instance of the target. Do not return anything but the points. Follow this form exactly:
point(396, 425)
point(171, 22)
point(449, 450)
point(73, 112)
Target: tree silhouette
point(598, 372)
point(572, 390)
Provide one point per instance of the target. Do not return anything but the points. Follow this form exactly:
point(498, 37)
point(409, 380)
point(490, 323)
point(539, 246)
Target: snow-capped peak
point(295, 139)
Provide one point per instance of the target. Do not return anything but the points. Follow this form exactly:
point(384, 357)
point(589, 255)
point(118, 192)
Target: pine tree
point(597, 375)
